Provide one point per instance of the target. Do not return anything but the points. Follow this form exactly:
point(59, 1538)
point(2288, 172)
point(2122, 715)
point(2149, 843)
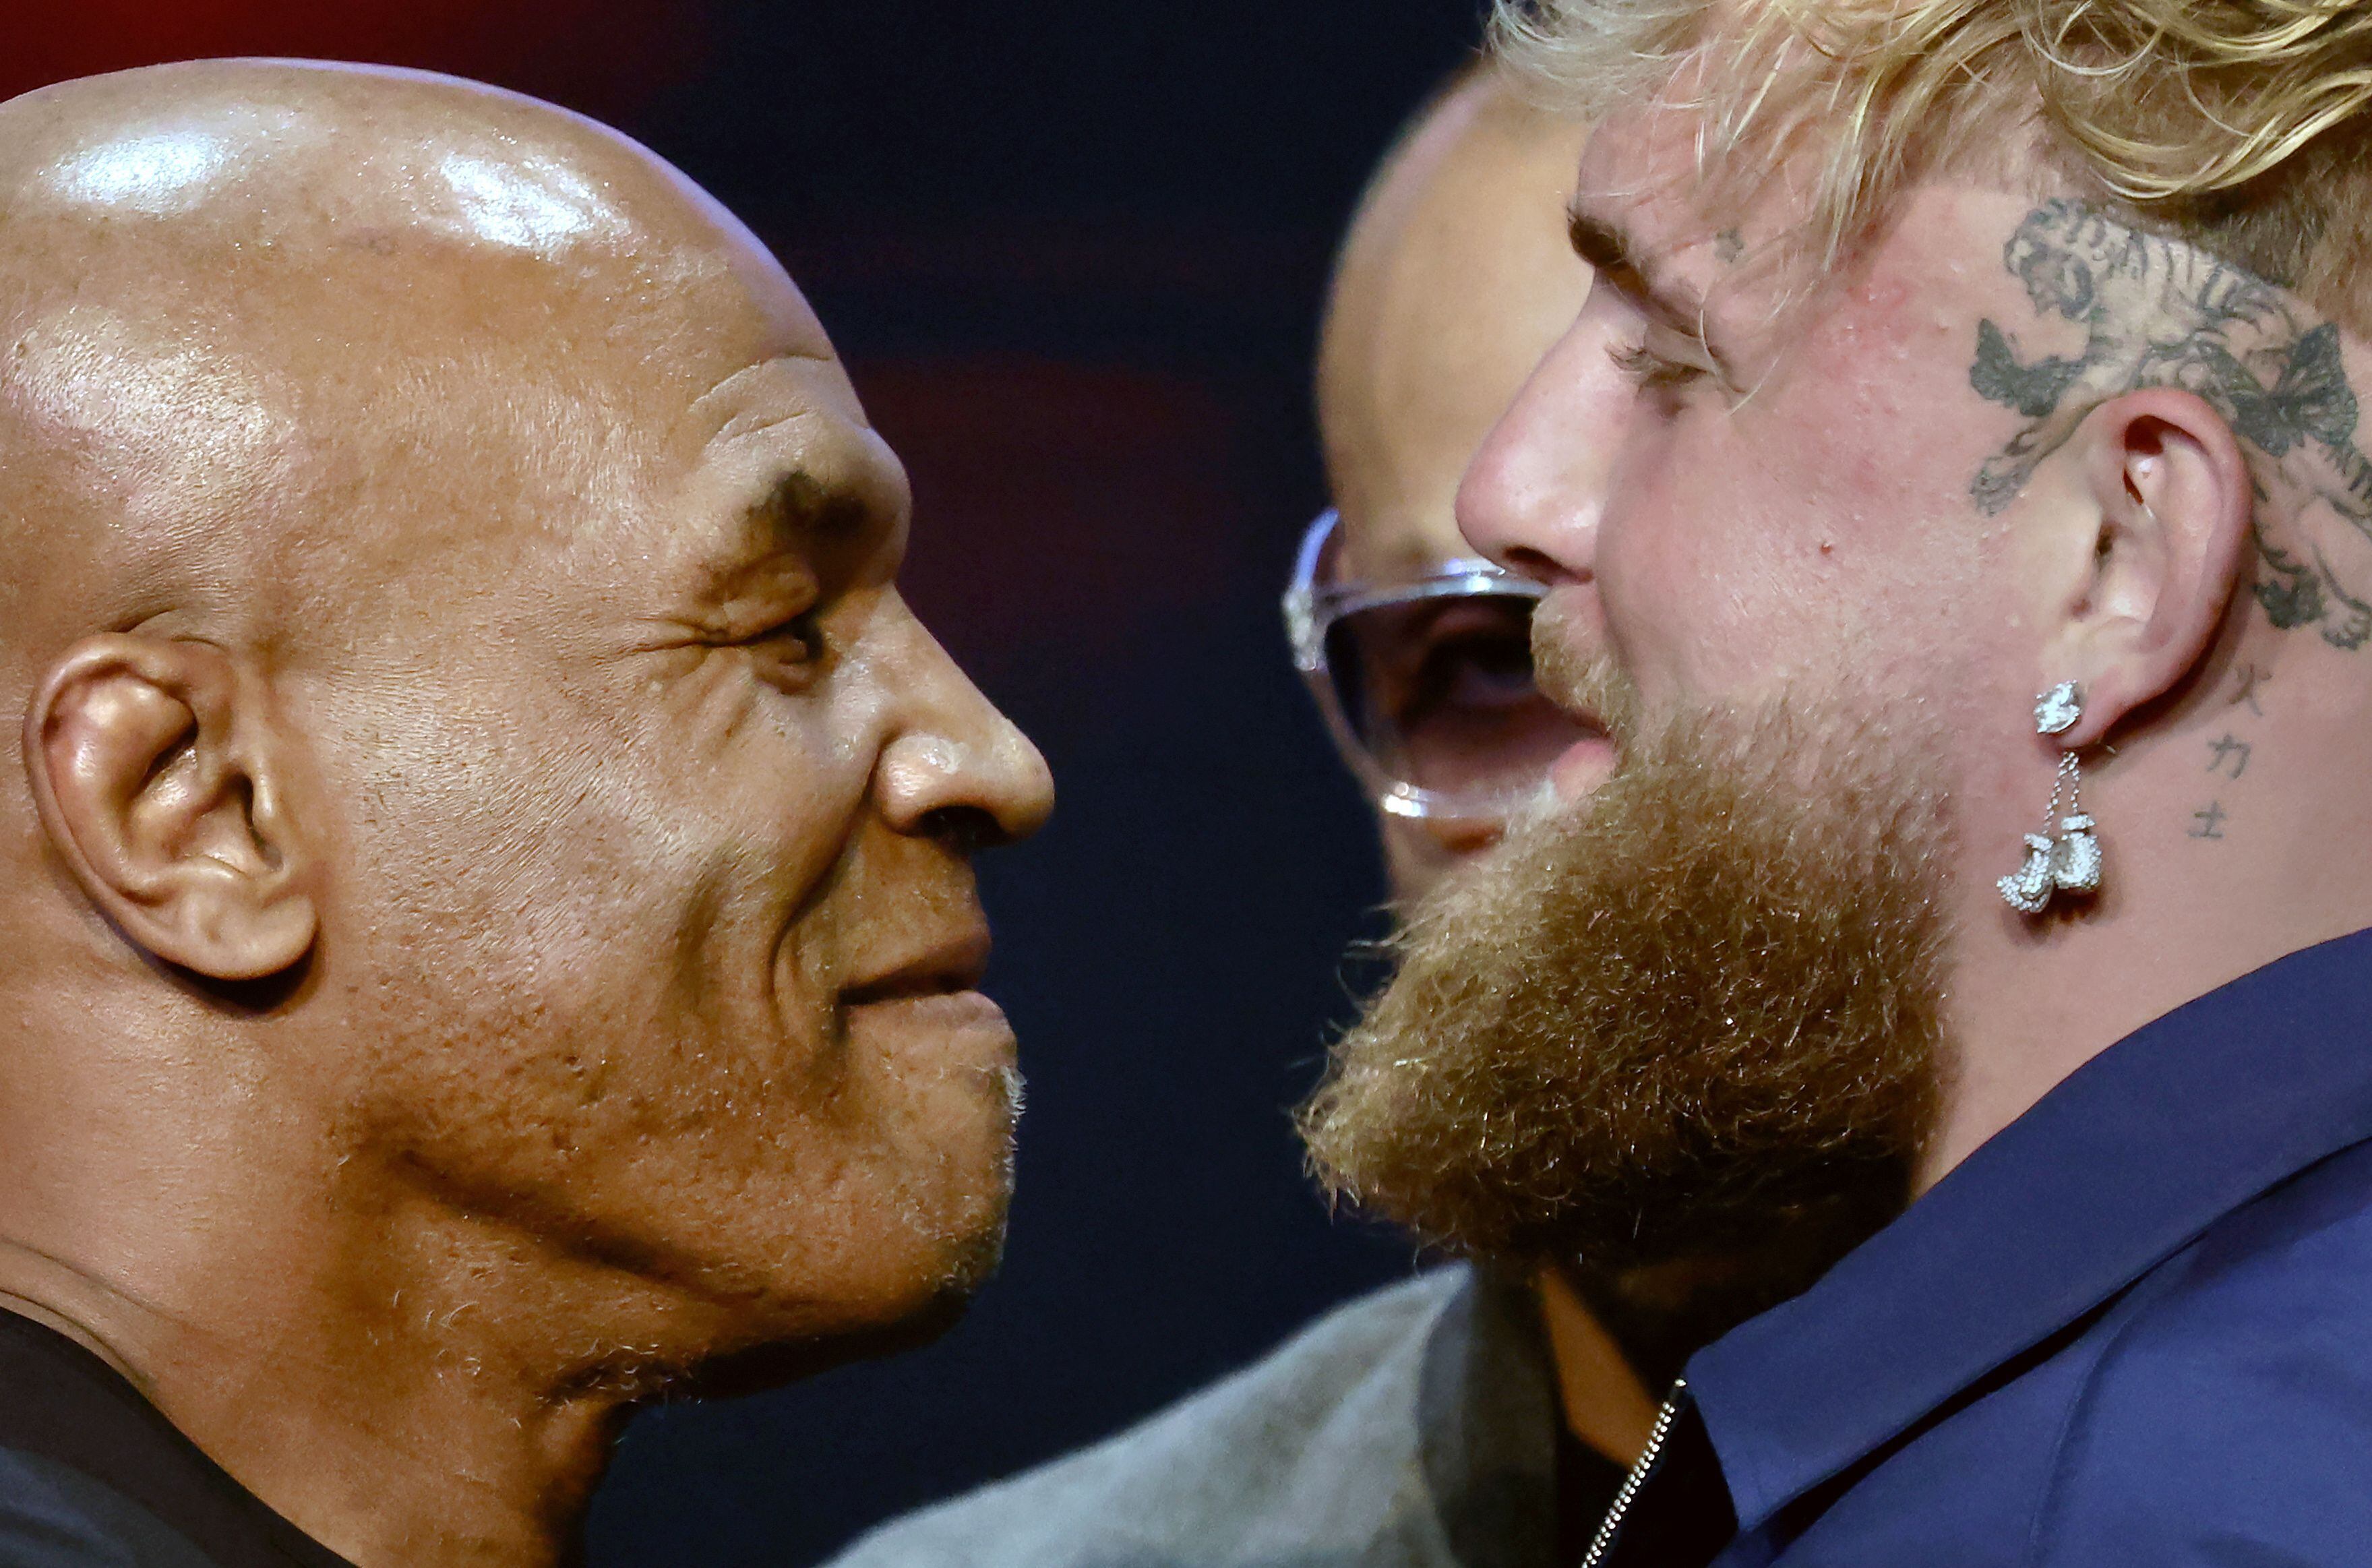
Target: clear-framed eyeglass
point(1425, 682)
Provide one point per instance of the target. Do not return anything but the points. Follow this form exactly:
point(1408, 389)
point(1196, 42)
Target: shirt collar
point(2122, 1164)
point(1486, 1423)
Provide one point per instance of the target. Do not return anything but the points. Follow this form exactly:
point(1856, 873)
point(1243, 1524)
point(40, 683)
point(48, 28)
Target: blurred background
point(1073, 252)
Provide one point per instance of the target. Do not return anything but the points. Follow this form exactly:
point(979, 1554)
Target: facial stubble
point(1699, 1011)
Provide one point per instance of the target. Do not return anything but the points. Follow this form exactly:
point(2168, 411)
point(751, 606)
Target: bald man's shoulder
point(1412, 1427)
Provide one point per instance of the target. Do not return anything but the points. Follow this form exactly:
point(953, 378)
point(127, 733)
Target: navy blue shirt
point(2133, 1328)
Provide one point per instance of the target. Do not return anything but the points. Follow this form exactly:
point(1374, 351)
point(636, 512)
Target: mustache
point(1579, 678)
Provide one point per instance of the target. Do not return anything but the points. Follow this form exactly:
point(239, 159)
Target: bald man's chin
point(766, 1352)
point(775, 1363)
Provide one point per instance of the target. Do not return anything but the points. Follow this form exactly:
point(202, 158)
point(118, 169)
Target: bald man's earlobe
point(2140, 569)
point(152, 767)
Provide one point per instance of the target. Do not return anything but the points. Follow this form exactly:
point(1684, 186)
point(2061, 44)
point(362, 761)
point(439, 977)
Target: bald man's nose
point(955, 766)
point(1532, 497)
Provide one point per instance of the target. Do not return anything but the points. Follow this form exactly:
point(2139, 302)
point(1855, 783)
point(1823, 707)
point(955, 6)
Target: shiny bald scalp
point(242, 301)
point(1454, 277)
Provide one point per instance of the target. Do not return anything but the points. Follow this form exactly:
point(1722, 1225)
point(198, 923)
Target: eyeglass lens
point(1440, 692)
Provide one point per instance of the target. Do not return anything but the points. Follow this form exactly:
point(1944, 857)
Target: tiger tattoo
point(2157, 312)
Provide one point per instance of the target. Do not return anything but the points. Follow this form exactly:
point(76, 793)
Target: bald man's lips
point(947, 1011)
point(958, 1040)
point(953, 963)
point(932, 1001)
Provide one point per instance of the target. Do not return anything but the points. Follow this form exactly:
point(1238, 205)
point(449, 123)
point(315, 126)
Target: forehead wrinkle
point(714, 409)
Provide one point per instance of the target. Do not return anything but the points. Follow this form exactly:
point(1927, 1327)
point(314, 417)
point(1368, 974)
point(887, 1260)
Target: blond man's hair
point(2237, 125)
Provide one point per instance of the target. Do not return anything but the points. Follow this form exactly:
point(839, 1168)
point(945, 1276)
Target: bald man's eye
point(791, 655)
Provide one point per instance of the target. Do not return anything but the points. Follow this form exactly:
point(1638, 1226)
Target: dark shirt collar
point(2129, 1159)
point(61, 1404)
point(1508, 1482)
point(1486, 1423)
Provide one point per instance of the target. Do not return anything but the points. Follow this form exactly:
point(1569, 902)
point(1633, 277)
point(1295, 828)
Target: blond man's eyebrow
point(1610, 249)
point(1597, 242)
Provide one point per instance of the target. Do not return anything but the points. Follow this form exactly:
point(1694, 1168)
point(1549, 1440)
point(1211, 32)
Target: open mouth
point(1587, 761)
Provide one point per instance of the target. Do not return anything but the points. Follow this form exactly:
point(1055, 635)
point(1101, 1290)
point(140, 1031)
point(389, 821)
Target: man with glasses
point(1460, 1419)
point(1423, 675)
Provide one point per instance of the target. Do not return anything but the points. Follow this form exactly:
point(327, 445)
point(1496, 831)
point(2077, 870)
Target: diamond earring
point(2056, 711)
point(2068, 862)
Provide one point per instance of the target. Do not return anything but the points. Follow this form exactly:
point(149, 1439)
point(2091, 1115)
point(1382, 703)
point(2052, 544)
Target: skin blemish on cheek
point(1883, 296)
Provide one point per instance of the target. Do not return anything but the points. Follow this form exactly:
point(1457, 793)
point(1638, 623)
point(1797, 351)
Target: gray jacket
point(1413, 1428)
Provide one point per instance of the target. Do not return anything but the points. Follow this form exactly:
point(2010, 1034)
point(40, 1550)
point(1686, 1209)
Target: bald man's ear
point(2138, 571)
point(153, 768)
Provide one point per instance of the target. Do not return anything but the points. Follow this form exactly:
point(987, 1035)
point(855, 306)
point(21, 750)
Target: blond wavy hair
point(2239, 125)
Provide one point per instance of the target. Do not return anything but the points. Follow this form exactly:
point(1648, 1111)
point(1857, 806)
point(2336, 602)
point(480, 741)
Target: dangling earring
point(2028, 890)
point(2075, 864)
point(2070, 862)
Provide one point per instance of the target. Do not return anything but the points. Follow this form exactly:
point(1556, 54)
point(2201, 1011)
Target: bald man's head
point(491, 833)
point(246, 301)
point(1456, 277)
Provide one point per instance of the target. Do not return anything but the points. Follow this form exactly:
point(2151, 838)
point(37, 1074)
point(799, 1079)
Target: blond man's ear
point(2138, 552)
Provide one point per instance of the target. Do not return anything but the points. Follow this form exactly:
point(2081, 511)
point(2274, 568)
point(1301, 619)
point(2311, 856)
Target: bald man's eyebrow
point(791, 517)
point(801, 508)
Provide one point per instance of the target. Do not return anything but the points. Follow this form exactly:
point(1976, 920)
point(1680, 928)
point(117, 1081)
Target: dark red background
point(607, 57)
